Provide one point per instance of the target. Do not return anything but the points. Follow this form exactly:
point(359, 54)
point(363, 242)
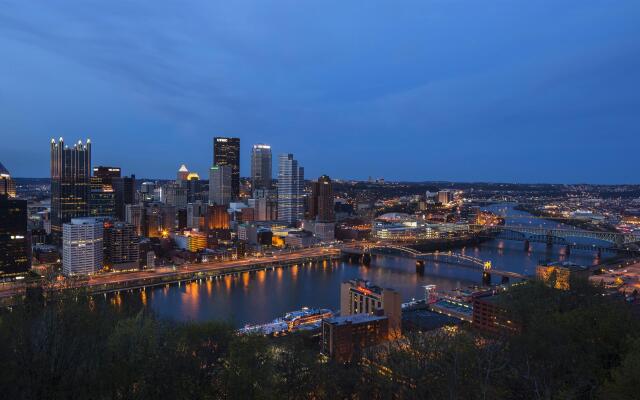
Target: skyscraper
point(82, 246)
point(220, 185)
point(125, 192)
point(70, 185)
point(7, 186)
point(226, 151)
point(261, 167)
point(121, 246)
point(290, 190)
point(15, 246)
point(321, 200)
point(182, 174)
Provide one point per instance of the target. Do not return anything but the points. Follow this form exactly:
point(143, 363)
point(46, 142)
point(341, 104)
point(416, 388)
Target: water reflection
point(265, 295)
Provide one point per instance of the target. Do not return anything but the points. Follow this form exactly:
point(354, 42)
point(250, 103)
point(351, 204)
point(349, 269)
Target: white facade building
point(82, 246)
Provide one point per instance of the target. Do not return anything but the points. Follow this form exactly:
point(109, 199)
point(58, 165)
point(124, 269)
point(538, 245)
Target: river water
point(262, 296)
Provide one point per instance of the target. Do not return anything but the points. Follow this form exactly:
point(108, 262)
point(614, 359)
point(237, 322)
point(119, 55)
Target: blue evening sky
point(466, 90)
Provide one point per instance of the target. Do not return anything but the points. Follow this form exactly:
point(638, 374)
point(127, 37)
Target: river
point(262, 296)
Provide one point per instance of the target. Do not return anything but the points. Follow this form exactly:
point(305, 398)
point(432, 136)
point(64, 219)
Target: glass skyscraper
point(226, 151)
point(70, 182)
point(290, 190)
point(261, 167)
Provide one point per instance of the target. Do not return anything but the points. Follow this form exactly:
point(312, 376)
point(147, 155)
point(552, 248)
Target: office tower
point(175, 195)
point(7, 186)
point(261, 175)
point(125, 193)
point(194, 187)
point(220, 185)
point(106, 174)
point(183, 172)
point(158, 220)
point(102, 198)
point(15, 246)
point(121, 246)
point(70, 173)
point(196, 213)
point(217, 224)
point(321, 200)
point(359, 297)
point(134, 215)
point(290, 190)
point(82, 246)
point(226, 151)
point(265, 209)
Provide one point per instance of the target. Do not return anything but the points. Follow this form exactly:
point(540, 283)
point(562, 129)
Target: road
point(122, 278)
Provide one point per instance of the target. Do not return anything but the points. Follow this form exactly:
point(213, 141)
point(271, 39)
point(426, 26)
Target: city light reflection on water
point(264, 295)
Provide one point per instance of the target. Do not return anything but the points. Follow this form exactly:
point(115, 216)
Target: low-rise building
point(346, 336)
point(561, 274)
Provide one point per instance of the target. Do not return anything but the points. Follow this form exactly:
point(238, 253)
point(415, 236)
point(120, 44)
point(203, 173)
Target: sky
point(457, 90)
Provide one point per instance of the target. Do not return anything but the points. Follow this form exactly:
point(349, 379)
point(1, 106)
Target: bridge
point(560, 236)
point(364, 254)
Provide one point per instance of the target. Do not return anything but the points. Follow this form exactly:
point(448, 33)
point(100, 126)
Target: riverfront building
point(321, 200)
point(226, 151)
point(82, 246)
point(359, 297)
point(561, 274)
point(290, 190)
point(121, 246)
point(345, 336)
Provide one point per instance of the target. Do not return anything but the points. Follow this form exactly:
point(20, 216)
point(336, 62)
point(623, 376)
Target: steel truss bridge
point(556, 235)
point(436, 257)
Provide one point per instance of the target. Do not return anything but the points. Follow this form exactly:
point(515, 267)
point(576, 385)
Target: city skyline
point(446, 97)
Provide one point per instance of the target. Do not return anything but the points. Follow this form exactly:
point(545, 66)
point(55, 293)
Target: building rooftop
point(3, 170)
point(565, 264)
point(354, 319)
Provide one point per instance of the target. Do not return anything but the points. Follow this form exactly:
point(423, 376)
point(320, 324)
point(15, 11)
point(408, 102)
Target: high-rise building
point(70, 184)
point(226, 151)
point(134, 215)
point(106, 174)
point(15, 246)
point(82, 246)
point(183, 173)
point(125, 193)
point(7, 186)
point(321, 200)
point(196, 213)
point(359, 297)
point(261, 167)
point(102, 198)
point(121, 246)
point(217, 224)
point(290, 190)
point(445, 197)
point(175, 195)
point(220, 185)
point(265, 209)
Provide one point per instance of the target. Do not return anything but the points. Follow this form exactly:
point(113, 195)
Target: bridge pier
point(567, 250)
point(599, 254)
point(505, 280)
point(549, 241)
point(420, 266)
point(527, 246)
point(366, 259)
point(486, 278)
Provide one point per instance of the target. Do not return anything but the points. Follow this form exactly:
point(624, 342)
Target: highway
point(136, 277)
